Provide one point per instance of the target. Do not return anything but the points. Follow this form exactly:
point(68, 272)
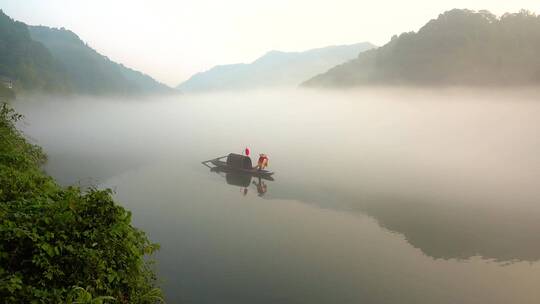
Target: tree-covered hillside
point(27, 62)
point(39, 58)
point(460, 47)
point(91, 72)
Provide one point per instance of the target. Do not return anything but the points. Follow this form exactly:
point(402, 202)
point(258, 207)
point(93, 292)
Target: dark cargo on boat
point(238, 161)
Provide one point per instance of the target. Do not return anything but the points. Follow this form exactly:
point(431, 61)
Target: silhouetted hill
point(26, 62)
point(460, 47)
point(89, 71)
point(273, 69)
point(38, 58)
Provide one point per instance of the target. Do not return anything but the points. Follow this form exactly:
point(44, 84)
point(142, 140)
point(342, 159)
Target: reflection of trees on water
point(440, 228)
point(453, 230)
point(89, 168)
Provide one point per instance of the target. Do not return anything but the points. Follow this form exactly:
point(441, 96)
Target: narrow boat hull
point(222, 166)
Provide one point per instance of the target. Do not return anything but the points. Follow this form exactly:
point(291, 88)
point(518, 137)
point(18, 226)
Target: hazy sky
point(171, 40)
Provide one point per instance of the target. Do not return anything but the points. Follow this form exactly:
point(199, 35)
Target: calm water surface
point(379, 196)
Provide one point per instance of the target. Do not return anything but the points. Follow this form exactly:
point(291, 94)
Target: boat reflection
point(245, 181)
point(261, 186)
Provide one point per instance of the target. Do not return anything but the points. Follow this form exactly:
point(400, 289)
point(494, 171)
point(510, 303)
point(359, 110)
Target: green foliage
point(80, 295)
point(460, 47)
point(52, 239)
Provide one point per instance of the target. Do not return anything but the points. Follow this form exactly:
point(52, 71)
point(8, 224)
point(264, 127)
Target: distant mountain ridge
point(39, 58)
point(273, 69)
point(460, 47)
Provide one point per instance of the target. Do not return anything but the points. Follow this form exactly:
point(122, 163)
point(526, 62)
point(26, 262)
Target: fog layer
point(372, 188)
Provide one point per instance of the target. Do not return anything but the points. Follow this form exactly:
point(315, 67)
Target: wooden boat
point(236, 163)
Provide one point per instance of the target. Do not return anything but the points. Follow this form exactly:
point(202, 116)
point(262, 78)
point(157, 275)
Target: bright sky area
point(171, 40)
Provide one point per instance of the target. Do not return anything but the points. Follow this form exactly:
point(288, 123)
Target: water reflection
point(261, 187)
point(245, 181)
point(452, 180)
point(440, 227)
point(449, 226)
point(89, 169)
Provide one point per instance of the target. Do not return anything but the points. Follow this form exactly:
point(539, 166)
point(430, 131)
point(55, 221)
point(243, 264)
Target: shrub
point(56, 243)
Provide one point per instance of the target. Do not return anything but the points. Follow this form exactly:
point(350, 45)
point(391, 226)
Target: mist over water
point(380, 195)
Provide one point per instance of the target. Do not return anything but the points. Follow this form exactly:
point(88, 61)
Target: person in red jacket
point(263, 162)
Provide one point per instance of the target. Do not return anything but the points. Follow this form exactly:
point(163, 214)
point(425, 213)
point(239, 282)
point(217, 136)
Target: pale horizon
point(171, 41)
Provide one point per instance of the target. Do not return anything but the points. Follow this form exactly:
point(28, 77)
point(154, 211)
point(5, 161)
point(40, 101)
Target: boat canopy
point(238, 161)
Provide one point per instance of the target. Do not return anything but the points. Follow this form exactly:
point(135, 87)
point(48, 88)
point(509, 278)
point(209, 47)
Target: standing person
point(263, 162)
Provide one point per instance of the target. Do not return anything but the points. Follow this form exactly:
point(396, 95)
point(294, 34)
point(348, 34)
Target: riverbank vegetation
point(64, 245)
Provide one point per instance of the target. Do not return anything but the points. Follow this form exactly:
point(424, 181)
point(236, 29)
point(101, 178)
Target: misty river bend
point(394, 196)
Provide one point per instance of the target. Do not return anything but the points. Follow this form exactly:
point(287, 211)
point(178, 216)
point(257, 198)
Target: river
point(379, 195)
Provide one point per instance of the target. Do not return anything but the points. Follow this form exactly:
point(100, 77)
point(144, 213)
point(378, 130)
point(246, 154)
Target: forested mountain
point(460, 47)
point(27, 62)
point(89, 71)
point(38, 58)
point(273, 69)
